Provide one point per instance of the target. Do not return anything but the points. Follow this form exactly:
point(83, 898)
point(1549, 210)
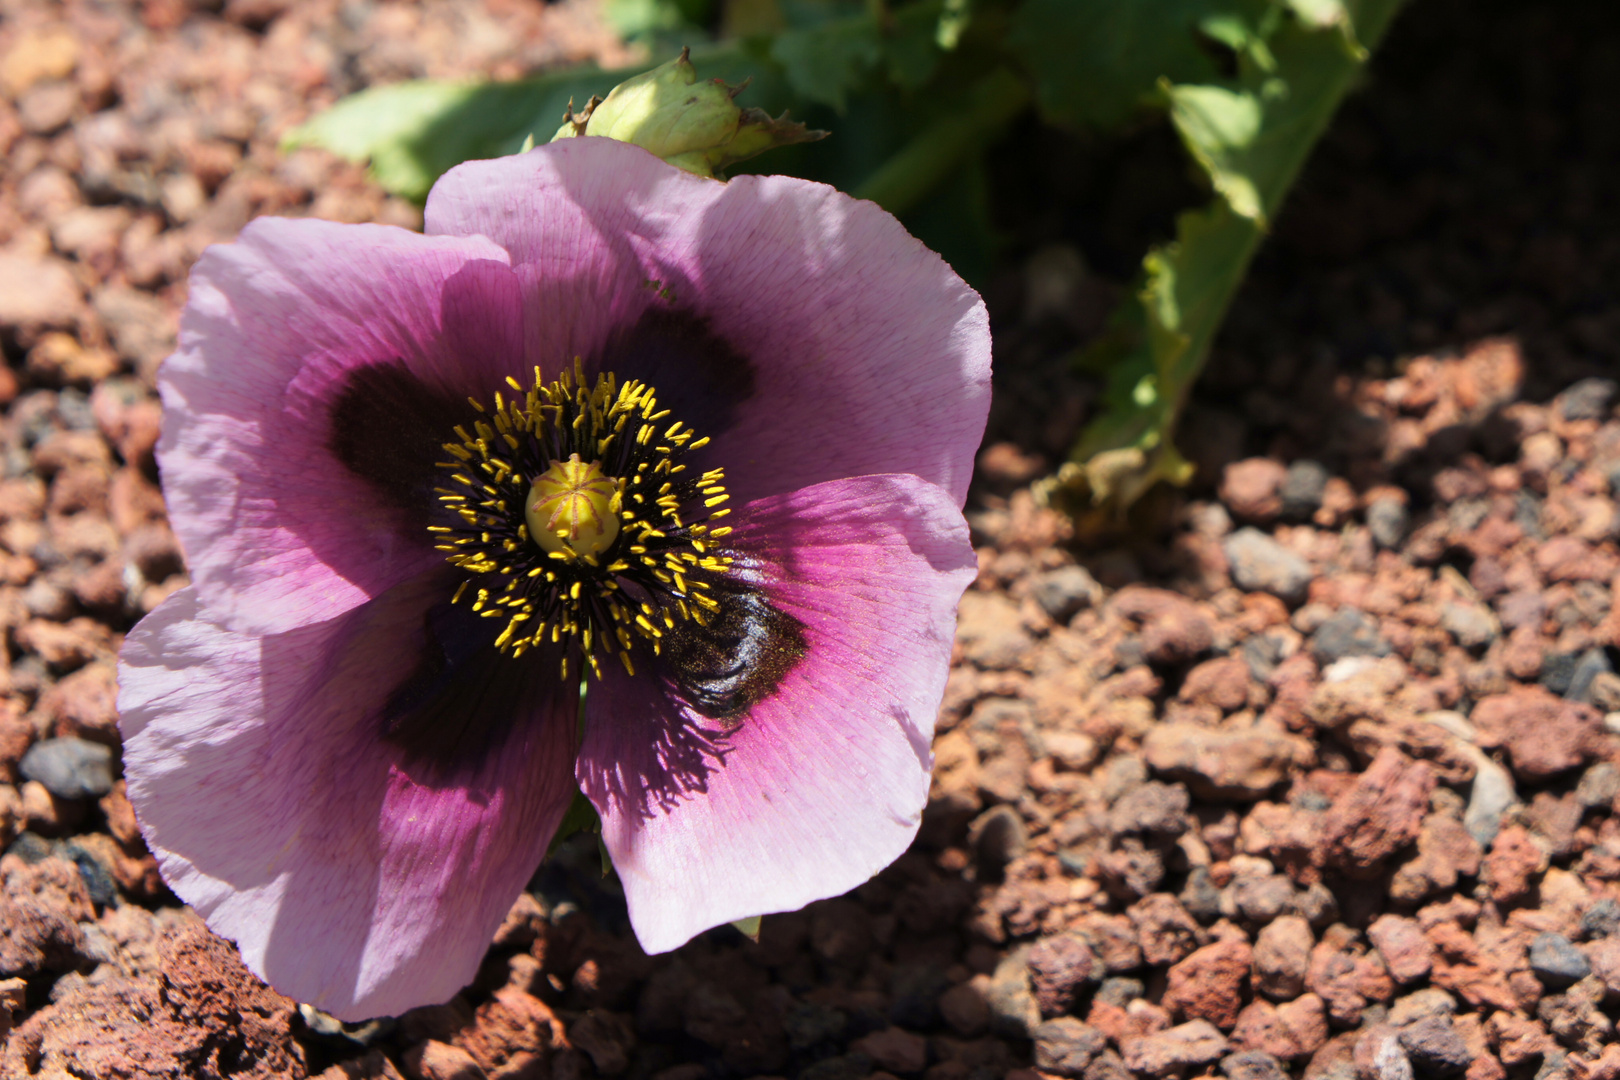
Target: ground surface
point(1317, 773)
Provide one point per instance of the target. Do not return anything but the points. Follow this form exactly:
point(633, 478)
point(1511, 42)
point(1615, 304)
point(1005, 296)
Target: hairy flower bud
point(694, 125)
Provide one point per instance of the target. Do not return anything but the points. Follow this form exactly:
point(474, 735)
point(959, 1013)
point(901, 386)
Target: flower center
point(577, 521)
point(574, 505)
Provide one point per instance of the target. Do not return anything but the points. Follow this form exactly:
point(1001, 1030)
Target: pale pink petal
point(823, 783)
point(354, 875)
point(320, 367)
point(865, 352)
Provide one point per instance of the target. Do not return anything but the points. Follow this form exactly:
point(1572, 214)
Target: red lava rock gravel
point(1312, 772)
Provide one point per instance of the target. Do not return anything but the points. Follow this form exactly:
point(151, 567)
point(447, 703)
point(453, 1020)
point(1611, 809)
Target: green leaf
point(826, 63)
point(1220, 127)
point(580, 817)
point(412, 132)
point(1098, 61)
point(1251, 137)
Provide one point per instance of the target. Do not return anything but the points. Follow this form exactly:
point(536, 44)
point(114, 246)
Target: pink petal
point(824, 783)
point(353, 876)
point(278, 531)
point(869, 354)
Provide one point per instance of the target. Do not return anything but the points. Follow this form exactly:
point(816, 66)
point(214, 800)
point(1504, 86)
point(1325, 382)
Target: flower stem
point(939, 149)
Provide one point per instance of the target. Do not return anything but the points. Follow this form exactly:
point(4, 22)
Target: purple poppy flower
point(705, 444)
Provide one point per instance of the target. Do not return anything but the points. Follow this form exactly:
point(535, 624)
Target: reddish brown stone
point(201, 1015)
point(1379, 816)
point(1174, 629)
point(1194, 1043)
point(1407, 953)
point(1294, 1030)
point(1345, 977)
point(1224, 682)
point(1519, 1040)
point(1164, 930)
point(1444, 850)
point(1463, 968)
point(1282, 955)
point(1512, 864)
point(1208, 984)
point(1058, 967)
point(1251, 488)
point(1545, 735)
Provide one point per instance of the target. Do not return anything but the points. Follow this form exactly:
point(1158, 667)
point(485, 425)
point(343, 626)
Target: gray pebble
point(1599, 785)
point(1064, 591)
point(1262, 652)
point(1253, 1065)
point(1588, 399)
point(1347, 632)
point(1387, 520)
point(1592, 663)
point(1435, 1048)
point(45, 599)
point(1557, 962)
point(30, 847)
point(1260, 564)
point(1558, 671)
point(1390, 1061)
point(1065, 1046)
point(1108, 1066)
point(1490, 798)
point(1554, 1066)
point(1302, 488)
point(1420, 1005)
point(1200, 896)
point(998, 837)
point(70, 768)
point(1120, 991)
point(98, 878)
point(1013, 1012)
point(855, 1066)
point(1602, 919)
point(809, 1025)
point(1469, 624)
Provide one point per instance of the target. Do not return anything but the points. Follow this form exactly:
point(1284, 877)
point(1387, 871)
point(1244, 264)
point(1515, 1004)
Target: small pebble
point(1260, 564)
point(1558, 671)
point(1470, 624)
point(1302, 488)
point(1347, 632)
point(1588, 399)
point(1253, 1065)
point(1557, 962)
point(98, 878)
point(1598, 787)
point(1386, 520)
point(1490, 798)
point(1601, 920)
point(1435, 1048)
point(70, 768)
point(1064, 591)
point(1065, 1046)
point(1592, 663)
point(998, 837)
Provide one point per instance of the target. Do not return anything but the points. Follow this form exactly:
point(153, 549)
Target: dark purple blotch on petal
point(699, 376)
point(728, 666)
point(458, 702)
point(388, 427)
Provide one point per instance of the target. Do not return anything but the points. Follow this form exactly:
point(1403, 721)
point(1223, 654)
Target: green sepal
point(694, 125)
